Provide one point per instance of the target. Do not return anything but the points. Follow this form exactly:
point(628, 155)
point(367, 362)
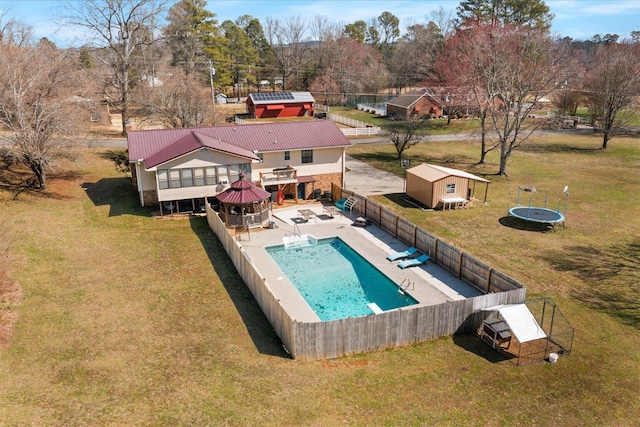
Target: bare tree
point(444, 19)
point(529, 63)
point(120, 28)
point(414, 55)
point(181, 101)
point(13, 32)
point(613, 87)
point(350, 67)
point(455, 68)
point(290, 45)
point(37, 106)
point(404, 135)
point(510, 68)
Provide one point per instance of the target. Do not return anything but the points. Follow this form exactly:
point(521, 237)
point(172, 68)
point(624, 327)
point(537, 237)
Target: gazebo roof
point(243, 192)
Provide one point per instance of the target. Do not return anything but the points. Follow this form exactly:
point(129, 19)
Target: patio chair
point(402, 254)
point(414, 261)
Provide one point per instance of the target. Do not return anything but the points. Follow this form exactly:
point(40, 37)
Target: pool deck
point(430, 284)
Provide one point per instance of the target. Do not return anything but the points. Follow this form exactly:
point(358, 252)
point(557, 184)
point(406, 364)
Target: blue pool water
point(336, 281)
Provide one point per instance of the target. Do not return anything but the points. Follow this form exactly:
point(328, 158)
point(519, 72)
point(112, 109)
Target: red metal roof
point(243, 192)
point(262, 137)
point(191, 142)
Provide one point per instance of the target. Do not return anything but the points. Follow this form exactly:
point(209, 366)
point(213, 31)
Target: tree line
point(497, 55)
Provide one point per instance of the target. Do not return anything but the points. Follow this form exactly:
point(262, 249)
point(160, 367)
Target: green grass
point(440, 126)
point(633, 116)
point(132, 320)
point(431, 127)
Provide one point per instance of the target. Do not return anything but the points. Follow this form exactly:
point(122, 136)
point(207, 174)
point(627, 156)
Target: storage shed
point(280, 104)
point(440, 187)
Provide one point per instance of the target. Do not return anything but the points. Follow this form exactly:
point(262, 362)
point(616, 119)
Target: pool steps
point(299, 241)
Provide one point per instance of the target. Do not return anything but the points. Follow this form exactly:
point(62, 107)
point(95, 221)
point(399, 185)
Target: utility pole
point(212, 72)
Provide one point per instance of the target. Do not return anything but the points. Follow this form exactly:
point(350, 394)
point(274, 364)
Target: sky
point(578, 19)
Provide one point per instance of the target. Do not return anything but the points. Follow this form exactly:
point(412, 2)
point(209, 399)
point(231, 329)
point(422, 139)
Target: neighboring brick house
point(438, 101)
point(415, 104)
point(177, 168)
point(280, 104)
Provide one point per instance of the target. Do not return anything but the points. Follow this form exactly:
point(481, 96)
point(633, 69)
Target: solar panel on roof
point(272, 96)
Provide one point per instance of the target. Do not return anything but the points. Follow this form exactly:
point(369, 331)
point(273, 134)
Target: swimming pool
point(336, 281)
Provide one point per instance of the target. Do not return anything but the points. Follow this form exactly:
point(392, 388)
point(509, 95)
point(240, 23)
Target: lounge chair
point(403, 254)
point(414, 261)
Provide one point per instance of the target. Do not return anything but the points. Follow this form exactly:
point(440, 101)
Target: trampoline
point(537, 214)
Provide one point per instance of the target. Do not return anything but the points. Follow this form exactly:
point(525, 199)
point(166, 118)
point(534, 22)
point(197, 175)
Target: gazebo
point(244, 204)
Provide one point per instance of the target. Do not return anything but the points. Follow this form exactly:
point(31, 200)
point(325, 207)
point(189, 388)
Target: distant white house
point(152, 81)
point(221, 98)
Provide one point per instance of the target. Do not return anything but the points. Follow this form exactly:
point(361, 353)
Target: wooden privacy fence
point(462, 265)
point(278, 317)
point(326, 340)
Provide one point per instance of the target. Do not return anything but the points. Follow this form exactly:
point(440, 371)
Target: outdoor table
point(306, 214)
point(331, 211)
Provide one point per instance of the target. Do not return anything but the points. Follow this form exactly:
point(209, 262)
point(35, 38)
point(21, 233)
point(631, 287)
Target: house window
point(198, 177)
point(307, 156)
point(174, 178)
point(234, 173)
point(211, 178)
point(163, 179)
point(451, 188)
point(187, 177)
point(223, 176)
point(287, 155)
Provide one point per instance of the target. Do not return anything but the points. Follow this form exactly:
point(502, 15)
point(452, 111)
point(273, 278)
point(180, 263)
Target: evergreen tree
point(191, 34)
point(533, 13)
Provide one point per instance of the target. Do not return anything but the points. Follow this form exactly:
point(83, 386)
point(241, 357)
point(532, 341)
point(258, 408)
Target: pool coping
point(432, 284)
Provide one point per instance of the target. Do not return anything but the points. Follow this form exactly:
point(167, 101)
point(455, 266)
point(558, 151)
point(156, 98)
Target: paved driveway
point(366, 180)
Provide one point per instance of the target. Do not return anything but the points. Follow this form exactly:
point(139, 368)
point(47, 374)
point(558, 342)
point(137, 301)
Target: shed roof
point(262, 137)
point(433, 173)
point(520, 321)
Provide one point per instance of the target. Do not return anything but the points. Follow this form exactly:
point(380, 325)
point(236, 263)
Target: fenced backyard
point(117, 327)
point(332, 339)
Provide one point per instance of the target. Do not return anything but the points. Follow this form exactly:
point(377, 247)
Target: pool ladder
point(406, 283)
